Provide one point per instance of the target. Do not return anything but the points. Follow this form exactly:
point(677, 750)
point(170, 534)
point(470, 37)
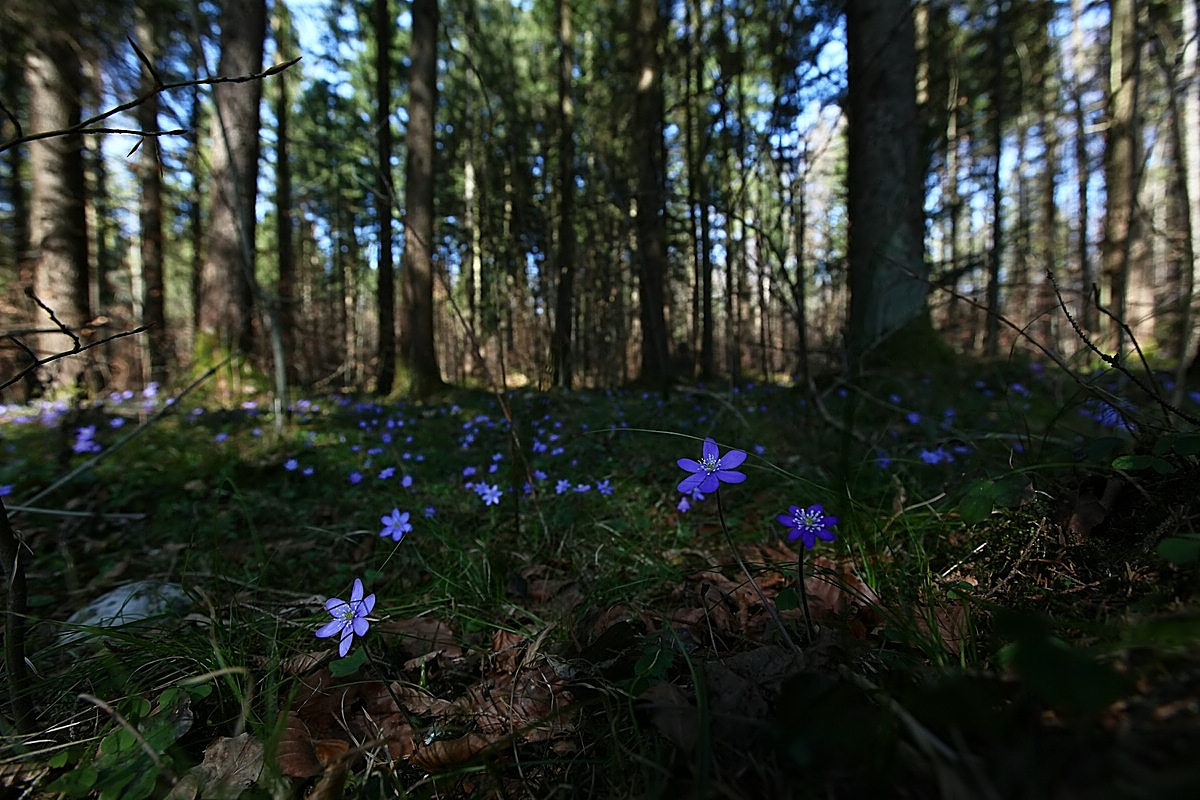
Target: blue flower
point(395, 525)
point(6, 489)
point(491, 494)
point(291, 464)
point(349, 618)
point(808, 524)
point(562, 486)
point(712, 470)
point(604, 487)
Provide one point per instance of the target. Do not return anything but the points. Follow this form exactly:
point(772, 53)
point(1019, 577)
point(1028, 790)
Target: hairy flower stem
point(808, 623)
point(768, 605)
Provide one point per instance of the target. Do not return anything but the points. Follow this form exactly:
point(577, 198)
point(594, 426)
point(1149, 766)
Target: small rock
point(133, 602)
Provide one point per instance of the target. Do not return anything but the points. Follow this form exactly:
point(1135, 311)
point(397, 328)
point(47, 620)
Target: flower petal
point(368, 604)
point(330, 628)
point(356, 594)
point(360, 626)
point(692, 482)
point(709, 484)
point(336, 607)
point(690, 464)
point(728, 476)
point(787, 519)
point(344, 647)
point(731, 459)
point(710, 450)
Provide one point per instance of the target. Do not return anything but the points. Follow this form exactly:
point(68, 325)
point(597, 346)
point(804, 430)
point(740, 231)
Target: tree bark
point(150, 209)
point(225, 297)
point(285, 224)
point(651, 226)
point(1122, 162)
point(58, 222)
point(565, 255)
point(418, 357)
point(384, 23)
point(888, 274)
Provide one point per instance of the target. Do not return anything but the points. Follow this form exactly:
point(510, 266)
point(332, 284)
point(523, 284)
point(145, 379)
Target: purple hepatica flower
point(349, 619)
point(563, 485)
point(356, 477)
point(604, 487)
point(291, 464)
point(712, 470)
point(84, 442)
point(808, 524)
point(395, 525)
point(6, 489)
point(429, 512)
point(491, 494)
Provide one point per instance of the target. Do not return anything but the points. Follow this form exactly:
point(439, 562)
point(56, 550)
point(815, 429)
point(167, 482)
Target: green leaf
point(348, 665)
point(976, 504)
point(76, 783)
point(1061, 676)
point(1139, 462)
point(1180, 550)
point(59, 759)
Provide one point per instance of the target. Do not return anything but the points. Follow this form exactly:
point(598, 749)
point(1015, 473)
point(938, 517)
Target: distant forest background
point(583, 193)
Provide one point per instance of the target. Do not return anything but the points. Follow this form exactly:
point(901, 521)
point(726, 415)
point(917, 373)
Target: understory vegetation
point(1007, 607)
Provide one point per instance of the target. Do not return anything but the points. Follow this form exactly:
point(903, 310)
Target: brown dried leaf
point(672, 715)
point(296, 756)
point(422, 639)
point(229, 767)
point(445, 754)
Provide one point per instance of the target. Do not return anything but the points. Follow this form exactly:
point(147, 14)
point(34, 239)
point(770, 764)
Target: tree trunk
point(225, 301)
point(1122, 162)
point(57, 225)
point(150, 209)
point(384, 23)
point(565, 257)
point(418, 357)
point(651, 226)
point(888, 274)
point(285, 223)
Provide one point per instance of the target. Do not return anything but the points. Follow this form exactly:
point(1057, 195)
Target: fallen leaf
point(671, 714)
point(444, 754)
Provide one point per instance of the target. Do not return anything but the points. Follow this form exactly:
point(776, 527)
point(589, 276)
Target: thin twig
point(87, 125)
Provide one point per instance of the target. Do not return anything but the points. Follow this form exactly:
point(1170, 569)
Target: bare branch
point(88, 126)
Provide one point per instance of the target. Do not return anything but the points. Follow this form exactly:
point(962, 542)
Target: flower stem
point(768, 605)
point(808, 623)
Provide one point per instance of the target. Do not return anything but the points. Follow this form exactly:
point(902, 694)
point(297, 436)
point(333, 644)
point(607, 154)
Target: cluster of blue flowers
point(349, 618)
point(706, 476)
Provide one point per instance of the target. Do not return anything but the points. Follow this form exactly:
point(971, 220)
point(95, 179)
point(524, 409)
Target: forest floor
point(1009, 607)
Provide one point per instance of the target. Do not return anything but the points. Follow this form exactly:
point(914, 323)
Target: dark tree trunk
point(888, 274)
point(565, 256)
point(651, 226)
point(418, 357)
point(384, 23)
point(150, 210)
